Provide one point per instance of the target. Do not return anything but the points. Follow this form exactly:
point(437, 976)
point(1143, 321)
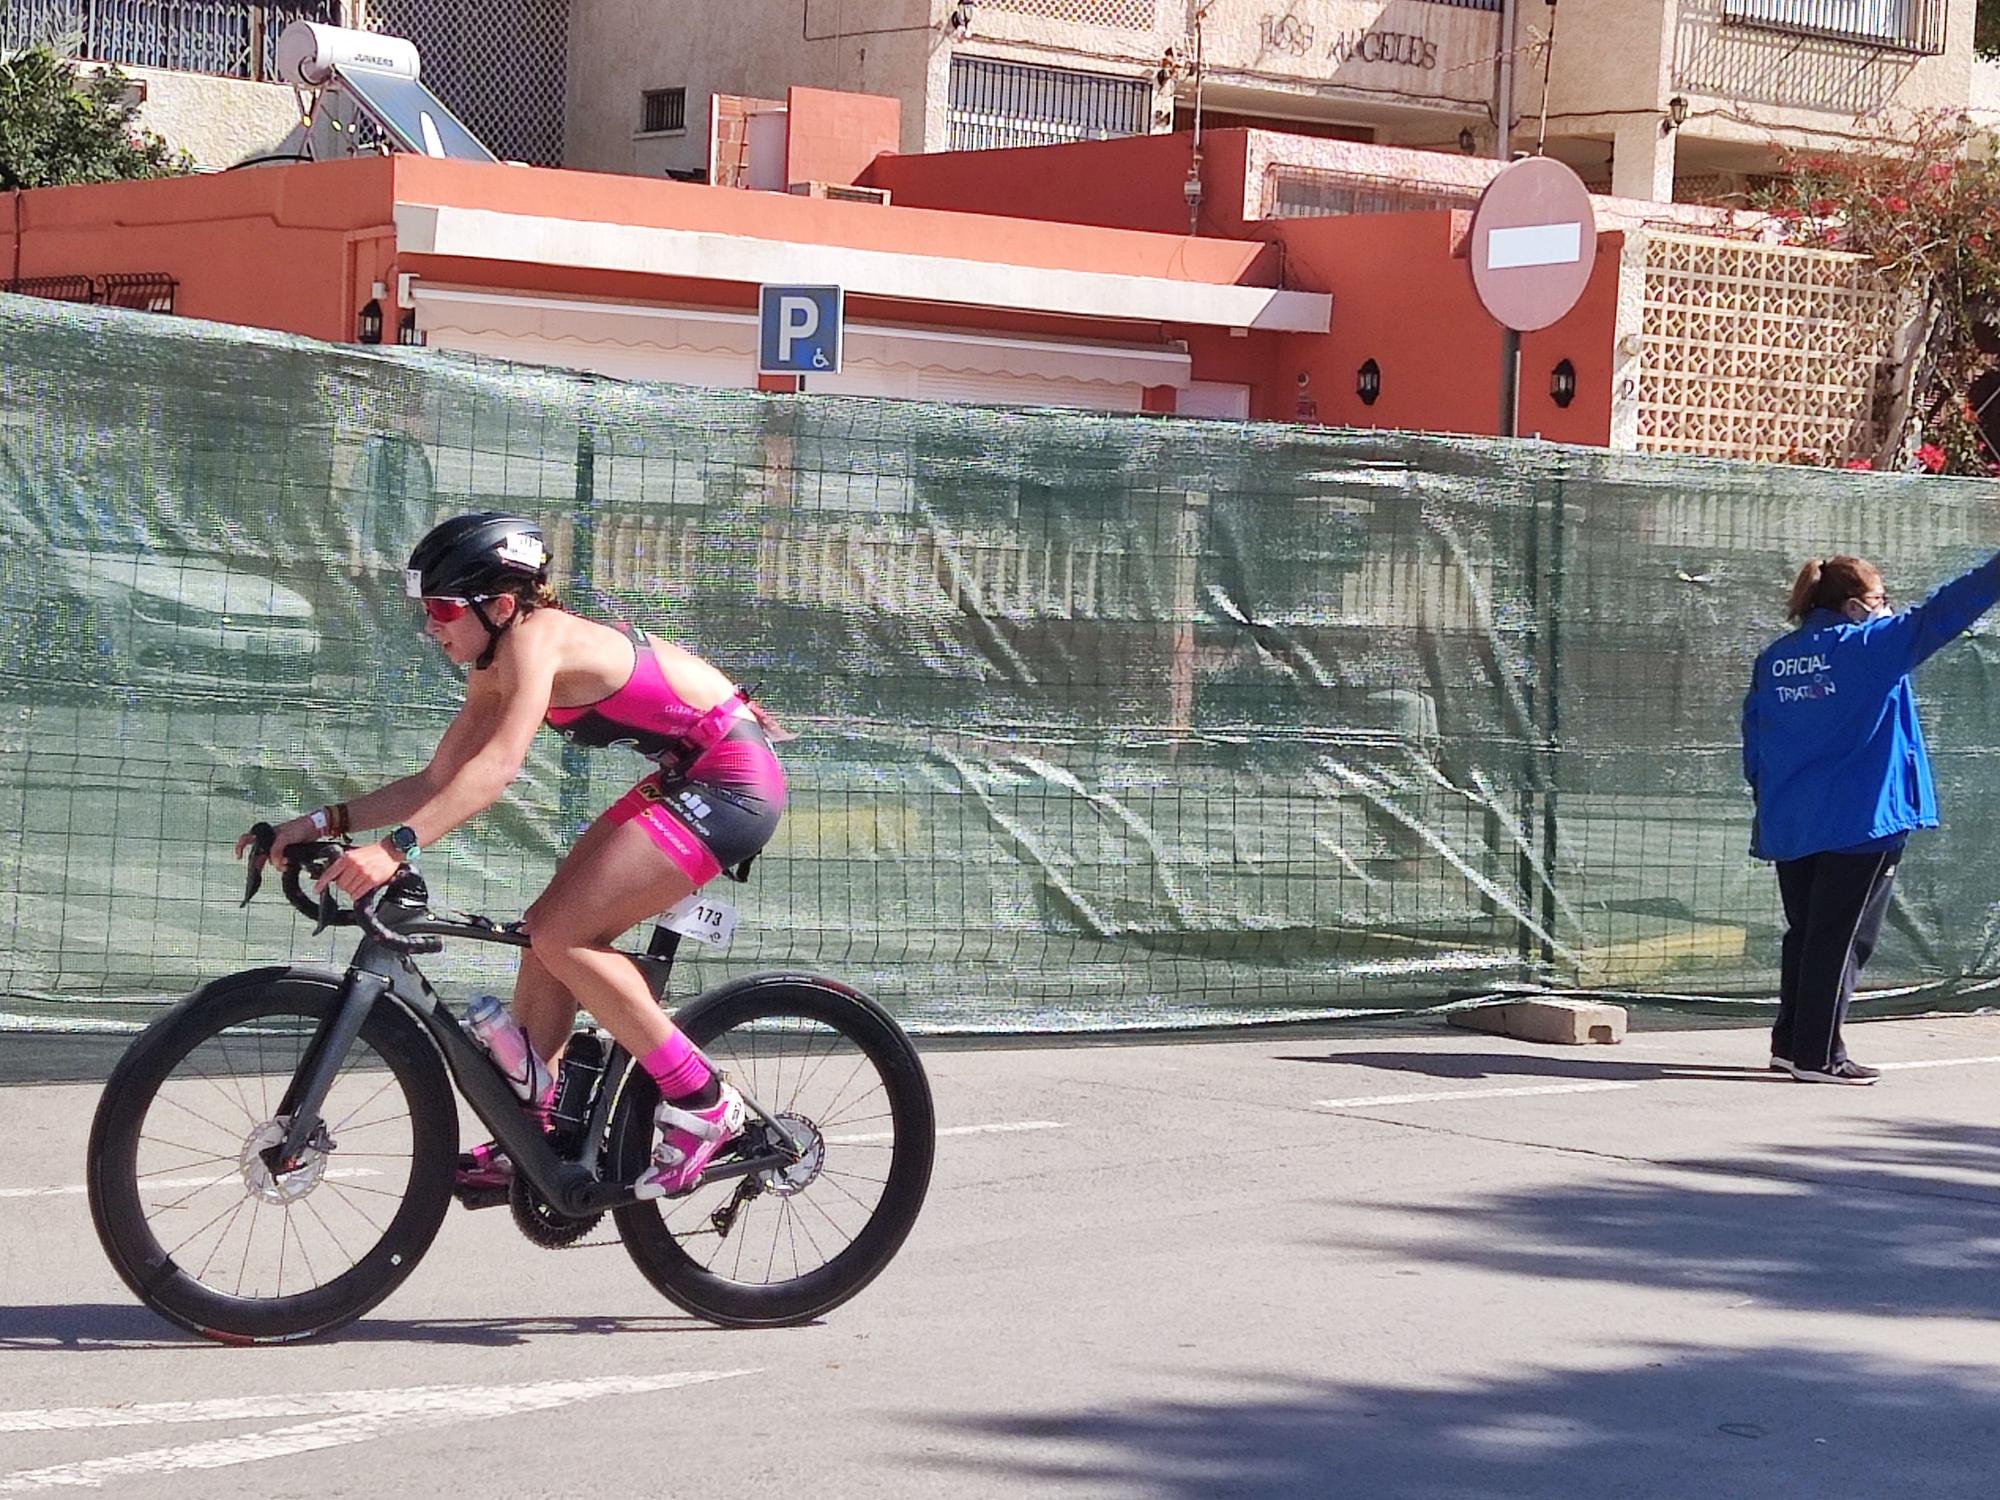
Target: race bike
point(274, 1154)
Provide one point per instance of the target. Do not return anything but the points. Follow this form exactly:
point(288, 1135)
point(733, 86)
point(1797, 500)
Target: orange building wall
point(834, 137)
point(1131, 182)
point(266, 247)
point(596, 197)
point(1403, 298)
point(297, 248)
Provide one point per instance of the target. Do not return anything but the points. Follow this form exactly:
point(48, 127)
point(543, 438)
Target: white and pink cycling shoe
point(689, 1139)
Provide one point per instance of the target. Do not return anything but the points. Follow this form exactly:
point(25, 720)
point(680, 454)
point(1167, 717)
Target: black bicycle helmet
point(474, 558)
point(477, 556)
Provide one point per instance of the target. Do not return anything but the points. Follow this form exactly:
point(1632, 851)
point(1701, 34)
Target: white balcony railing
point(1906, 25)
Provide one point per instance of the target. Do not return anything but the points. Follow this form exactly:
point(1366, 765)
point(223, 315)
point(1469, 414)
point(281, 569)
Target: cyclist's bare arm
point(479, 755)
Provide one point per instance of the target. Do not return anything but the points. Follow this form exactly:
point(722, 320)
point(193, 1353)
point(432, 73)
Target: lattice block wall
point(1761, 351)
point(1126, 15)
point(499, 65)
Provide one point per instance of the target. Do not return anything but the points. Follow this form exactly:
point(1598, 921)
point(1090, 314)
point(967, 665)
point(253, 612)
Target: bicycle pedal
point(482, 1197)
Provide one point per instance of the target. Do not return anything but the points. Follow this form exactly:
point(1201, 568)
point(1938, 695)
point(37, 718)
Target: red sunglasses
point(444, 609)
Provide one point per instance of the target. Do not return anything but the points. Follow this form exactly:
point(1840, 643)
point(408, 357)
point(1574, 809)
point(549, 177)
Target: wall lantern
point(1677, 114)
point(1467, 141)
point(406, 329)
point(369, 327)
point(1368, 382)
point(1562, 384)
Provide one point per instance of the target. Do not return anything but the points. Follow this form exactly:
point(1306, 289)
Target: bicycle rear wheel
point(193, 1219)
point(784, 1246)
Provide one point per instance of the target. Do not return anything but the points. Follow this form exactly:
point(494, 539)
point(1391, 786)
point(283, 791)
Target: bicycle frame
point(378, 971)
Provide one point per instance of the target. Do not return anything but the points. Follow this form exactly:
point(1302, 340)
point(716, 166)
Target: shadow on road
point(1676, 1423)
point(1465, 1066)
point(1905, 1225)
point(114, 1325)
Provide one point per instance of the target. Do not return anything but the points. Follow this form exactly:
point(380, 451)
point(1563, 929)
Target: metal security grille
point(997, 104)
point(1908, 25)
point(499, 65)
point(1125, 15)
point(1469, 4)
point(1313, 193)
point(663, 109)
point(236, 40)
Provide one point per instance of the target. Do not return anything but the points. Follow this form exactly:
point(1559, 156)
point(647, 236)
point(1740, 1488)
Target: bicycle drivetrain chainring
point(540, 1223)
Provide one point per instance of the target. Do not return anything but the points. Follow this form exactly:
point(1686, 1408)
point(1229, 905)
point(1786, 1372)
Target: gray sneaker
point(1845, 1071)
point(1780, 1064)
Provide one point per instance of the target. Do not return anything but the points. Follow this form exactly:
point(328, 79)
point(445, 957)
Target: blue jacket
point(1831, 745)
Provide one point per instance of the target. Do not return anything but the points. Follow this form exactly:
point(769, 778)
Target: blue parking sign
point(799, 329)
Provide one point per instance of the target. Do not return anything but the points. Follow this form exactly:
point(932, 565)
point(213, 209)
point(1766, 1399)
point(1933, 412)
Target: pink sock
point(676, 1067)
point(544, 1109)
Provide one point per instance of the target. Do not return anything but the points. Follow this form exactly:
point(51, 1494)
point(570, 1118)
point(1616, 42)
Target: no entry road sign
point(1534, 242)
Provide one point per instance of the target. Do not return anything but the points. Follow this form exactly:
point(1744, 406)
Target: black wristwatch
point(404, 838)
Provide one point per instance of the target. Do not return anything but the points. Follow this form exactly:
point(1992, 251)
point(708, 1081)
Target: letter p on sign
point(798, 318)
point(799, 330)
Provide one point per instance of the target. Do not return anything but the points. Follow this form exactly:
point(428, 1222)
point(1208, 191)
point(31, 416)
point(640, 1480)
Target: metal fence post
point(573, 797)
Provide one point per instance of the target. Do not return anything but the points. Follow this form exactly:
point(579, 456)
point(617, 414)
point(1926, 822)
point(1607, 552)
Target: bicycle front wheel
point(185, 1205)
point(784, 1245)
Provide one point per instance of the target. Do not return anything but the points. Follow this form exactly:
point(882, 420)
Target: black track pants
point(1834, 904)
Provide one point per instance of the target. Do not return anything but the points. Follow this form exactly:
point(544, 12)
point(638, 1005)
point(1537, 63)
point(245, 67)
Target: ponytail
point(1829, 582)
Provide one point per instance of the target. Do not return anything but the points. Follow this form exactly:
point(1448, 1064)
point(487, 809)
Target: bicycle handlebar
point(313, 857)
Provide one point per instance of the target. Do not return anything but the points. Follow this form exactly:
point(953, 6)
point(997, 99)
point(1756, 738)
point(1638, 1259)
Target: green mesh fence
point(1104, 722)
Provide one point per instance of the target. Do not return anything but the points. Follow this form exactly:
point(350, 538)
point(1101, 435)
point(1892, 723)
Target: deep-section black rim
point(843, 1077)
point(196, 1224)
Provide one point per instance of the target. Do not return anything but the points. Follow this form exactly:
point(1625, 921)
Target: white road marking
point(358, 1417)
point(1008, 1127)
point(76, 1189)
point(1439, 1095)
point(1592, 1088)
point(1936, 1062)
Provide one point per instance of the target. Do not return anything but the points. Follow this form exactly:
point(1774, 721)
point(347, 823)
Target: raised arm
point(1921, 631)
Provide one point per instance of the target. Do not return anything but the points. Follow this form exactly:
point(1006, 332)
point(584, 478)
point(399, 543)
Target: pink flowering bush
point(1926, 211)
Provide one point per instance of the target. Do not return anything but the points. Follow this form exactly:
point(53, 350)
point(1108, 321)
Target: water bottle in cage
point(576, 1086)
point(501, 1035)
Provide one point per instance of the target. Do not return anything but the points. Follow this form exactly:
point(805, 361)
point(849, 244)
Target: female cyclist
point(712, 804)
point(1837, 768)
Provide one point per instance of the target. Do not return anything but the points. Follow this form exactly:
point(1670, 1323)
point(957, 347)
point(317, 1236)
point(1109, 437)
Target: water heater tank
point(308, 52)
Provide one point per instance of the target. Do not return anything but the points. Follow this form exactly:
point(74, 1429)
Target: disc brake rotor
point(801, 1174)
point(261, 1182)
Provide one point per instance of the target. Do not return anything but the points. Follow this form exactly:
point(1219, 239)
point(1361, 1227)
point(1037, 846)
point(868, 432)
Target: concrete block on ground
point(1571, 1022)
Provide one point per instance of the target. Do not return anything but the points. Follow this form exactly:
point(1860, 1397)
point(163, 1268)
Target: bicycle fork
point(324, 1057)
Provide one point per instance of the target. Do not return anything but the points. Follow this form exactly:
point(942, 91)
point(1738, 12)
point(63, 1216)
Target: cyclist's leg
point(542, 1003)
point(621, 879)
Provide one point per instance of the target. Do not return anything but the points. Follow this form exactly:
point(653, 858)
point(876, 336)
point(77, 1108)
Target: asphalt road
point(1440, 1265)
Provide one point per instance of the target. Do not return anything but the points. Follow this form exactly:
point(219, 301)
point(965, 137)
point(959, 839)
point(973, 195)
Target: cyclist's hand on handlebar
point(360, 870)
point(293, 831)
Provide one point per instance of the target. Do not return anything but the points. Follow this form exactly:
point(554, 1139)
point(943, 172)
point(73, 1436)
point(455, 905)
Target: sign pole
point(1503, 151)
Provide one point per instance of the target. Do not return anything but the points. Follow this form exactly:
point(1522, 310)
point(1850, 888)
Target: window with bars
point(1469, 4)
point(1907, 25)
point(1314, 193)
point(233, 38)
point(995, 104)
point(661, 110)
